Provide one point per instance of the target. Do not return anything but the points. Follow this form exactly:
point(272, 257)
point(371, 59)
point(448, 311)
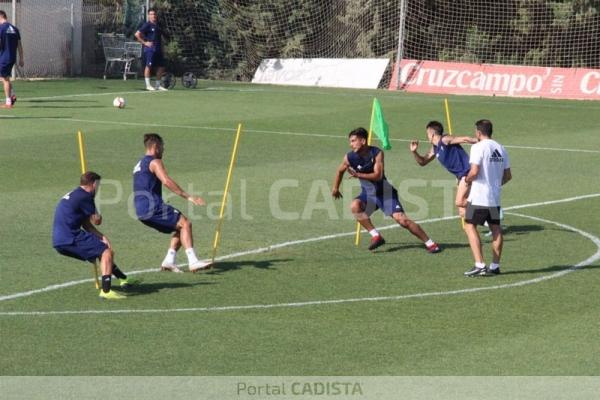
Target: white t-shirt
point(492, 159)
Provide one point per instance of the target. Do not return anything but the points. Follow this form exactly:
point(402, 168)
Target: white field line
point(88, 95)
point(288, 133)
point(295, 242)
point(388, 95)
point(233, 129)
point(588, 261)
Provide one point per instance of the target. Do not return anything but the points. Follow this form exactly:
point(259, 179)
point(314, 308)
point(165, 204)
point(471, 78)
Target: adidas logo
point(496, 156)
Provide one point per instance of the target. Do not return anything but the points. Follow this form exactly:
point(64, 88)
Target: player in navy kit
point(10, 45)
point(150, 36)
point(365, 163)
point(449, 152)
point(149, 174)
point(77, 210)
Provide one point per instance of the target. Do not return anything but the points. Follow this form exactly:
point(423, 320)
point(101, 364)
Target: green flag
point(379, 126)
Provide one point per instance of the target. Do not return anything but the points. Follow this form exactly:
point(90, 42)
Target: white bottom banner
point(300, 387)
point(357, 73)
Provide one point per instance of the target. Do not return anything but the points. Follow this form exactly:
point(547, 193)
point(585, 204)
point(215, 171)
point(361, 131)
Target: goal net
point(227, 39)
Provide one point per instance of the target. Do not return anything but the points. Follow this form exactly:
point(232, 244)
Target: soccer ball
point(119, 102)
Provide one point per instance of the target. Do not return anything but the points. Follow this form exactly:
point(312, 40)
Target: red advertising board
point(497, 80)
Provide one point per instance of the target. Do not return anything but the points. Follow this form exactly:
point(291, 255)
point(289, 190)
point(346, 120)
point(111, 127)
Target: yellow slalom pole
point(449, 123)
point(357, 236)
point(83, 171)
point(227, 184)
point(81, 152)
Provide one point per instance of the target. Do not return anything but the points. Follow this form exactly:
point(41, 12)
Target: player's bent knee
point(184, 223)
point(356, 207)
point(108, 254)
point(402, 220)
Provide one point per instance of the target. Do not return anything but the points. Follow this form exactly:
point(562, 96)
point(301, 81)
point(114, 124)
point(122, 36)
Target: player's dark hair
point(88, 178)
point(3, 14)
point(437, 127)
point(153, 9)
point(360, 132)
point(151, 139)
point(485, 127)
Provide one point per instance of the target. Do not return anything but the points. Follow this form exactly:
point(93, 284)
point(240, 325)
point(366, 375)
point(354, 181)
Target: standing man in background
point(10, 45)
point(490, 169)
point(150, 36)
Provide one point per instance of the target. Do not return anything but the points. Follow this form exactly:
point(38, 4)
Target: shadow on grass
point(553, 268)
point(409, 246)
point(58, 101)
point(148, 288)
point(522, 229)
point(67, 106)
point(228, 266)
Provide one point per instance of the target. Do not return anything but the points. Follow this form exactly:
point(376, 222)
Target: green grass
point(295, 137)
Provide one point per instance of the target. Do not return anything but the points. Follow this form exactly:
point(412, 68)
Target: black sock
point(118, 273)
point(106, 283)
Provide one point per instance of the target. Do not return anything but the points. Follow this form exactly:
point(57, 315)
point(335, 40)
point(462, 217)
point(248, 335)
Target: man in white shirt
point(490, 169)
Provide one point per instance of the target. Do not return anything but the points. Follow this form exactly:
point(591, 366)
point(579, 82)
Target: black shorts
point(479, 215)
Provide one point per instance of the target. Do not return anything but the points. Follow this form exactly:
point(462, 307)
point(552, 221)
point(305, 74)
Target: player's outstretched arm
point(421, 160)
point(449, 139)
point(337, 180)
point(158, 168)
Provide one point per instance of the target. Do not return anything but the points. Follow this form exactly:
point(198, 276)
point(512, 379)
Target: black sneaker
point(493, 271)
point(475, 272)
point(376, 241)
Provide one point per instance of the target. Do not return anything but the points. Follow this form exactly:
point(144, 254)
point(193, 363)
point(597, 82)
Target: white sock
point(479, 265)
point(8, 101)
point(373, 232)
point(157, 84)
point(170, 257)
point(147, 81)
point(429, 243)
point(191, 255)
point(494, 266)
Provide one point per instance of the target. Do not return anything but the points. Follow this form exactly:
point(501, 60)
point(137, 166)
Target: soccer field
point(291, 294)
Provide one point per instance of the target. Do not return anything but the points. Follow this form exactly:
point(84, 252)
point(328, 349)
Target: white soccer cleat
point(150, 88)
point(170, 268)
point(160, 88)
point(201, 266)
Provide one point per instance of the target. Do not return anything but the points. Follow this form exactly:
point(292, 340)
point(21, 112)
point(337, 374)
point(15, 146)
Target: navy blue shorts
point(6, 70)
point(153, 58)
point(164, 220)
point(87, 247)
point(388, 203)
